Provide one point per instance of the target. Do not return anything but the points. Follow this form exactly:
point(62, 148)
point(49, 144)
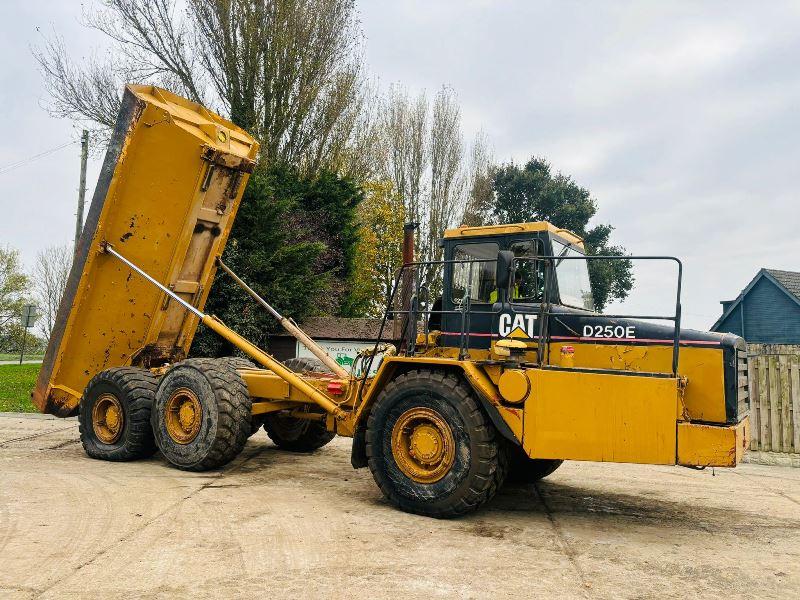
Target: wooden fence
point(774, 374)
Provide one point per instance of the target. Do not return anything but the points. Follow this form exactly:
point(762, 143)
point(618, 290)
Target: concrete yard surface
point(276, 524)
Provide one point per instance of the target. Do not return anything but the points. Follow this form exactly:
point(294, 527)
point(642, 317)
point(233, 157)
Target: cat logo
point(517, 326)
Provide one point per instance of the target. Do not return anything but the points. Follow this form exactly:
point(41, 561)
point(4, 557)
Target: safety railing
point(550, 281)
point(420, 303)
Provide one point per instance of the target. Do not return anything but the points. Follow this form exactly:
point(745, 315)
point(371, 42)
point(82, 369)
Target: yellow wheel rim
point(184, 416)
point(108, 419)
point(422, 445)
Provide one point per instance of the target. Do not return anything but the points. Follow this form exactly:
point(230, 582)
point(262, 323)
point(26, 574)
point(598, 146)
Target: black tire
point(522, 469)
point(479, 463)
point(303, 364)
point(237, 362)
point(296, 435)
point(225, 404)
point(291, 433)
point(134, 390)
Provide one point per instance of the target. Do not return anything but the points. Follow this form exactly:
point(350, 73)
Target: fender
point(393, 366)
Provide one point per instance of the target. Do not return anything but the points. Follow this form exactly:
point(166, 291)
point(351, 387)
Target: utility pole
point(82, 188)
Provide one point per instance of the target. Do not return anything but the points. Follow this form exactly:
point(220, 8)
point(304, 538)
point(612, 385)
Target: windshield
point(573, 277)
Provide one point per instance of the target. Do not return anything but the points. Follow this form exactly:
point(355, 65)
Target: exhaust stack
point(407, 284)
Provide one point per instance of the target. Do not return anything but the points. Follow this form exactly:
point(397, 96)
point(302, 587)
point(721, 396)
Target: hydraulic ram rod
point(289, 326)
point(241, 343)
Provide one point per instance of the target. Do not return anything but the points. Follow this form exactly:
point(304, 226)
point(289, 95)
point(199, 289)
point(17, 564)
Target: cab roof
point(512, 228)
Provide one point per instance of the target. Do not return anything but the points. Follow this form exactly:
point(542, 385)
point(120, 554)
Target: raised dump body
point(167, 195)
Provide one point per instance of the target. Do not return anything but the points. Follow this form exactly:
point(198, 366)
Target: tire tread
point(138, 387)
point(492, 462)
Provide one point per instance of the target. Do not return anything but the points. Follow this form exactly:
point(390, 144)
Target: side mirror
point(502, 273)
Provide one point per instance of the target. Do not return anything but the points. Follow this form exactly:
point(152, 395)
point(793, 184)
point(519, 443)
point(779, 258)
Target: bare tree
point(422, 153)
point(50, 275)
point(480, 199)
point(445, 203)
point(404, 147)
point(289, 71)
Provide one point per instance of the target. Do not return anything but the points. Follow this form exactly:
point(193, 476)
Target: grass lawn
point(5, 356)
point(16, 383)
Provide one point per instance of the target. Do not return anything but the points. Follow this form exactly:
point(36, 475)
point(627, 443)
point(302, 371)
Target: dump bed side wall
point(166, 198)
point(129, 112)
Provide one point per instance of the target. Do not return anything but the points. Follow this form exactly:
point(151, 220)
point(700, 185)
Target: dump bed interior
point(166, 198)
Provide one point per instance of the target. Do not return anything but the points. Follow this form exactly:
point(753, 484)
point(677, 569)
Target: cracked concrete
point(291, 525)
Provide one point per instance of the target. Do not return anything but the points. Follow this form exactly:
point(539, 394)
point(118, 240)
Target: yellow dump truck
point(492, 362)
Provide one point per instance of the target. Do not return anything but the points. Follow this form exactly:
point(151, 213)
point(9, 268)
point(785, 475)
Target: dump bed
point(166, 198)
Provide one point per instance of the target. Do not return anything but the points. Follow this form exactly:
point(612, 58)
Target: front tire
point(430, 447)
point(201, 414)
point(523, 469)
point(114, 414)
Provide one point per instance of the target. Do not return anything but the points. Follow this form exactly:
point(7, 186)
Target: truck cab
point(470, 266)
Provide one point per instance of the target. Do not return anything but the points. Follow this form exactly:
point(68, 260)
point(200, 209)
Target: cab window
point(475, 278)
point(574, 285)
point(528, 285)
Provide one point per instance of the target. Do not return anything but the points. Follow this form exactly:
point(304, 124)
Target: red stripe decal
point(584, 339)
point(593, 339)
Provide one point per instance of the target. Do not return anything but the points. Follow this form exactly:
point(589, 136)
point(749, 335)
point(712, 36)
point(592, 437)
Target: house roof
point(786, 281)
point(341, 328)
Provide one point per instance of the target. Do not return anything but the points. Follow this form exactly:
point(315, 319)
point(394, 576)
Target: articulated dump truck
point(491, 363)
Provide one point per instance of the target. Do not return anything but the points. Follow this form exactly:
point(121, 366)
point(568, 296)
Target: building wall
point(733, 323)
point(770, 316)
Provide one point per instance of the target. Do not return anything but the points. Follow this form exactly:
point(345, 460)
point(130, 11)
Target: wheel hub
point(184, 416)
point(422, 445)
point(108, 418)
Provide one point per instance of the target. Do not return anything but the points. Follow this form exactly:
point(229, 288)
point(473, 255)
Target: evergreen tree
point(293, 242)
point(534, 193)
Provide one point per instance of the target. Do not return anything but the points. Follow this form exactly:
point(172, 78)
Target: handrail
point(546, 311)
point(676, 318)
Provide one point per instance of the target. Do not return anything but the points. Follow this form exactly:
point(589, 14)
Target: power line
point(30, 159)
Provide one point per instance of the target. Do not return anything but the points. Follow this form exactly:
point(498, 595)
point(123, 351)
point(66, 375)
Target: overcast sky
point(682, 118)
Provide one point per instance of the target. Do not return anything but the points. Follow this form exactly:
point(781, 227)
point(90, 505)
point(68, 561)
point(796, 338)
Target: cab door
point(469, 299)
point(473, 314)
point(520, 317)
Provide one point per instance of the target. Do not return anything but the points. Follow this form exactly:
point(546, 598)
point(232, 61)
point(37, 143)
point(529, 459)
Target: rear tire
point(430, 447)
point(306, 364)
point(291, 433)
point(296, 435)
point(237, 362)
point(114, 414)
point(201, 414)
point(523, 469)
